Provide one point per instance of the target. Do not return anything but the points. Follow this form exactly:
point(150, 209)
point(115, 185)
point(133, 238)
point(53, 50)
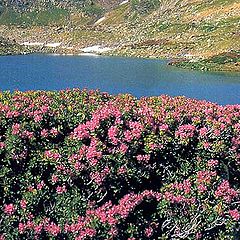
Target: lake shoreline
point(225, 62)
point(172, 61)
point(185, 62)
point(113, 74)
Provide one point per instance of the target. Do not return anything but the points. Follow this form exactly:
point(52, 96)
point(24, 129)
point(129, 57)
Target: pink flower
point(96, 177)
point(38, 118)
point(16, 128)
point(143, 158)
point(93, 162)
point(206, 145)
point(205, 176)
point(23, 204)
point(203, 131)
point(92, 151)
point(30, 188)
point(61, 190)
point(54, 178)
point(148, 231)
point(53, 229)
point(44, 133)
point(202, 188)
point(2, 237)
point(52, 155)
point(212, 163)
point(163, 127)
point(28, 134)
point(112, 134)
point(136, 129)
point(168, 196)
point(2, 145)
point(40, 185)
point(30, 224)
point(79, 166)
point(185, 131)
point(38, 228)
point(9, 209)
point(21, 227)
point(225, 191)
point(217, 132)
point(123, 148)
point(81, 132)
point(122, 170)
point(198, 235)
point(128, 136)
point(90, 232)
point(54, 131)
point(187, 186)
point(234, 214)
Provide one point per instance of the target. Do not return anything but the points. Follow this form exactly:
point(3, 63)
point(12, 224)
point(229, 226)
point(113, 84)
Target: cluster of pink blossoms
point(50, 227)
point(225, 191)
point(185, 131)
point(235, 214)
point(52, 155)
point(104, 144)
point(9, 209)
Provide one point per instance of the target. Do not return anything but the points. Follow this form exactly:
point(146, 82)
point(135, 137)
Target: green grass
point(231, 57)
point(221, 62)
point(36, 18)
point(213, 3)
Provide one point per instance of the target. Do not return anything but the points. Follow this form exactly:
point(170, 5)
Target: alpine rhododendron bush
point(80, 164)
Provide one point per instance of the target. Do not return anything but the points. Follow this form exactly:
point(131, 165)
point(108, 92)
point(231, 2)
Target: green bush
point(87, 165)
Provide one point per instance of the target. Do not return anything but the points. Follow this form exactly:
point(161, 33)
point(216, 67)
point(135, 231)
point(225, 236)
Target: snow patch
point(88, 54)
point(96, 49)
point(100, 20)
point(52, 45)
point(32, 44)
point(124, 2)
point(68, 48)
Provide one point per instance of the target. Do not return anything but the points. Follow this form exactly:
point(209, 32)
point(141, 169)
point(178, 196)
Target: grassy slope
point(200, 30)
point(195, 30)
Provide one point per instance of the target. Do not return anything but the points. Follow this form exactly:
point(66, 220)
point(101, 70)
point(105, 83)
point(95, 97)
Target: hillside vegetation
point(83, 165)
point(8, 47)
point(191, 30)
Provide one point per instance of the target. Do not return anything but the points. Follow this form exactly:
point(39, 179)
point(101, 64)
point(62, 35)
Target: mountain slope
point(189, 30)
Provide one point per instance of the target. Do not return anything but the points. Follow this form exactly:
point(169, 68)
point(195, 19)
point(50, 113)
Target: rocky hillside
point(191, 30)
point(8, 47)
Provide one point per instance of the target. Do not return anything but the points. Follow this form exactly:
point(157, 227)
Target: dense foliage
point(86, 165)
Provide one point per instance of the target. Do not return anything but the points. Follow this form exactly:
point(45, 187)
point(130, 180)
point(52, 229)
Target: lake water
point(140, 77)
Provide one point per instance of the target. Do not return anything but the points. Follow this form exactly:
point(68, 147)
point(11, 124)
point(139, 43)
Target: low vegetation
point(8, 47)
point(226, 61)
point(80, 164)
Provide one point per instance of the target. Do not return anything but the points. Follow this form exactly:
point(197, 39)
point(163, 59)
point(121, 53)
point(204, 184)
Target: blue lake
point(140, 77)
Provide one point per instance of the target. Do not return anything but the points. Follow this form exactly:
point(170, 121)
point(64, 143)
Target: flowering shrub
point(87, 165)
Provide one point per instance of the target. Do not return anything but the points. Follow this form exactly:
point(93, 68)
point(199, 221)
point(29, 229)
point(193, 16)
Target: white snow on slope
point(96, 49)
point(124, 2)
